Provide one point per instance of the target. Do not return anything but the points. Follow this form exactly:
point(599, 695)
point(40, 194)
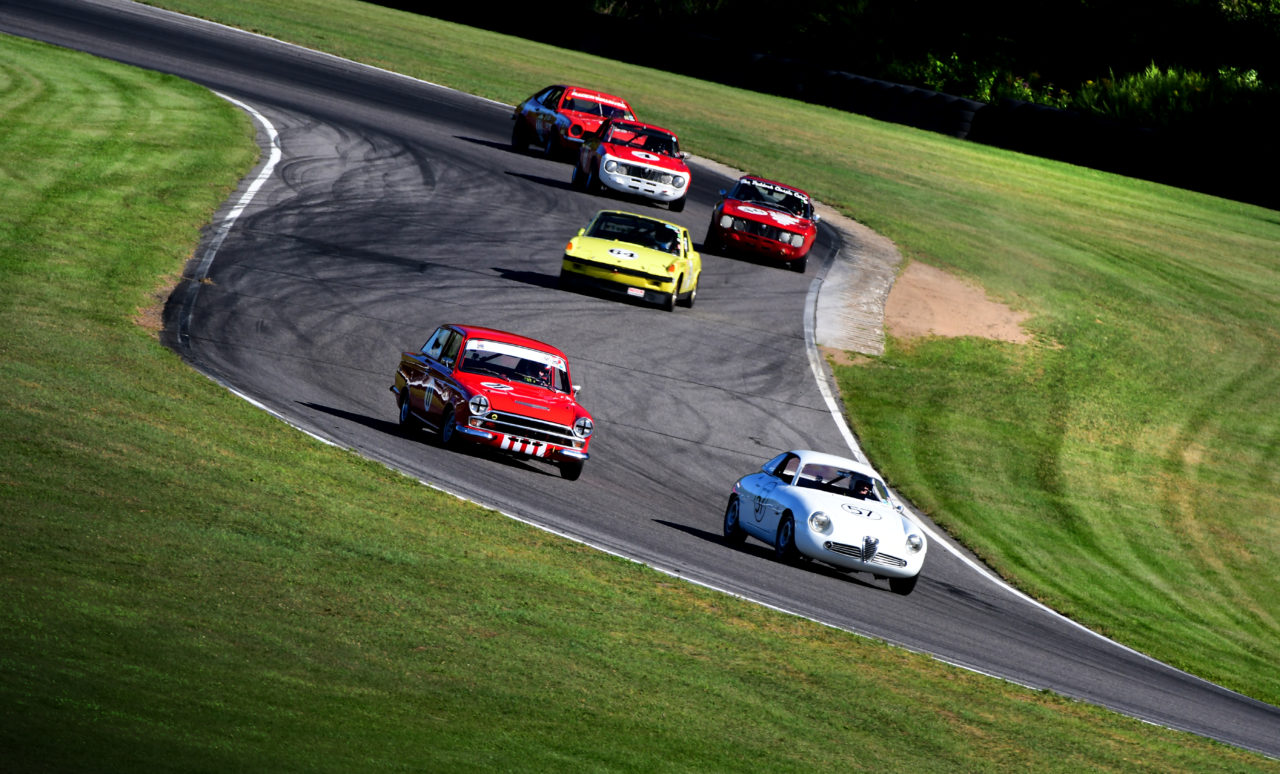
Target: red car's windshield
point(515, 363)
point(777, 197)
point(583, 104)
point(652, 140)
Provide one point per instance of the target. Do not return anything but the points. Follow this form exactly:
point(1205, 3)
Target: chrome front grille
point(760, 229)
point(880, 557)
point(644, 173)
point(529, 427)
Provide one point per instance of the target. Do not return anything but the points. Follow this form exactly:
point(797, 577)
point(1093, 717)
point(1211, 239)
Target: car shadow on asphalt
point(744, 257)
point(536, 278)
point(380, 425)
point(506, 146)
point(424, 436)
point(563, 185)
point(765, 553)
point(495, 144)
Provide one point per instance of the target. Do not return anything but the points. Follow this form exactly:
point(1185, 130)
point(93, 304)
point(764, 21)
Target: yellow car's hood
point(622, 255)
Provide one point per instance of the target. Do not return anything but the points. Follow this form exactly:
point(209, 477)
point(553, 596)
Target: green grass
point(189, 584)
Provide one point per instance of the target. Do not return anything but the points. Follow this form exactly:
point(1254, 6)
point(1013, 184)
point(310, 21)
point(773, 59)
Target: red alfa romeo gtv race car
point(558, 117)
point(634, 158)
point(765, 218)
point(498, 389)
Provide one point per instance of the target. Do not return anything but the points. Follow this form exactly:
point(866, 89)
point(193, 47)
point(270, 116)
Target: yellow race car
point(635, 255)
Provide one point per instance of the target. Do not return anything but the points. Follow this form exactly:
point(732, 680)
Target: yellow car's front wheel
point(670, 303)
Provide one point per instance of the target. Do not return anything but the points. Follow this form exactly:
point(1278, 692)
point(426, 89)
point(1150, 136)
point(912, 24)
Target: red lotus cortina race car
point(558, 117)
point(633, 158)
point(497, 389)
point(766, 218)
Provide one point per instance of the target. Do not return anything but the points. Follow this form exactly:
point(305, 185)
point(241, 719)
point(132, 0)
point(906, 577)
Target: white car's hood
point(853, 519)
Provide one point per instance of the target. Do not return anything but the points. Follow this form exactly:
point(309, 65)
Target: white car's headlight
point(478, 404)
point(820, 522)
point(915, 542)
point(664, 178)
point(583, 427)
point(678, 181)
point(610, 165)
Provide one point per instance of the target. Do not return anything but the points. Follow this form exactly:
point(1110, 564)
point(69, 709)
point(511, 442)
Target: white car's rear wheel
point(733, 532)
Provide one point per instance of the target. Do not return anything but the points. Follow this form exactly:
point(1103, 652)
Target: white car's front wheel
point(903, 586)
point(784, 543)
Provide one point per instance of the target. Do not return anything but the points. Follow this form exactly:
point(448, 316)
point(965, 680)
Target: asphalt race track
point(398, 205)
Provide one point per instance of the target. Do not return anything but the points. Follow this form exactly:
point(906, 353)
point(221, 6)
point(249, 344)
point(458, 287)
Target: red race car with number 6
point(498, 389)
point(766, 218)
point(633, 158)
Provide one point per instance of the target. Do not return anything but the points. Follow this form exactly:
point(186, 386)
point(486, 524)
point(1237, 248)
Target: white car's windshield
point(848, 483)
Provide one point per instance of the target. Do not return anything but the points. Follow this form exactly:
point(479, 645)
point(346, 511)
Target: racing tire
point(593, 184)
point(549, 148)
point(449, 430)
point(712, 244)
point(669, 303)
point(800, 264)
point(734, 534)
point(690, 297)
point(677, 205)
point(408, 423)
point(903, 586)
point(570, 470)
point(578, 180)
point(519, 137)
point(784, 542)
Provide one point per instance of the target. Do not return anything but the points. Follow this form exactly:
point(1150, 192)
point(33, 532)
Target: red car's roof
point(598, 96)
point(493, 334)
point(775, 183)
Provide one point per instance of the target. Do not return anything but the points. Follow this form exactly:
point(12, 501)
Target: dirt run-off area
point(926, 301)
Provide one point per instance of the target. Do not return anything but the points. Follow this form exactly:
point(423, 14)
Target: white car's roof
point(808, 456)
